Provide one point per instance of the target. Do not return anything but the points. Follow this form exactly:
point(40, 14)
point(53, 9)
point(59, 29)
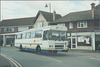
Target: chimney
point(92, 8)
point(54, 15)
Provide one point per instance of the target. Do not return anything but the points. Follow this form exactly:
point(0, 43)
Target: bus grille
point(59, 46)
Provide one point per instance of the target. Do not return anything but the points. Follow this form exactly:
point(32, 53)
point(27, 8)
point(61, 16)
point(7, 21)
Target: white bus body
point(46, 39)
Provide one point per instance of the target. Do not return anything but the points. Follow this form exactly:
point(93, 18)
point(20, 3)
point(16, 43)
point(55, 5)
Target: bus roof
point(53, 27)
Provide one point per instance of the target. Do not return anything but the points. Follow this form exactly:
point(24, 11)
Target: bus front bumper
point(54, 50)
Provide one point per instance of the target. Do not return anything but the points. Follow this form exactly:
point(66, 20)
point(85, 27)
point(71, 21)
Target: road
point(31, 59)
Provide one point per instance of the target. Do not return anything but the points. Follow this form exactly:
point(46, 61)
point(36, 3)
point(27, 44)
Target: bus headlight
point(65, 43)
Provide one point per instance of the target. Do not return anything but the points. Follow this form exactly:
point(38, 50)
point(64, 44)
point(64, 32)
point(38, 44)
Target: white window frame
point(40, 24)
point(9, 29)
point(70, 25)
point(23, 28)
point(82, 24)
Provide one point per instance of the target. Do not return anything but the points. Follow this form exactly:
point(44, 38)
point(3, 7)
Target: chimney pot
point(92, 5)
point(92, 8)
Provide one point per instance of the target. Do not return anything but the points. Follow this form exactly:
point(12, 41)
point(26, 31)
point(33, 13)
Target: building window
point(82, 24)
point(83, 40)
point(70, 25)
point(22, 28)
point(8, 29)
point(40, 24)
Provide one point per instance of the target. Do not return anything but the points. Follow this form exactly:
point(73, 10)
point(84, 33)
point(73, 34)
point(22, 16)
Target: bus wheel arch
point(38, 49)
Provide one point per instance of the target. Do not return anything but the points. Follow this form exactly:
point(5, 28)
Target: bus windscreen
point(55, 35)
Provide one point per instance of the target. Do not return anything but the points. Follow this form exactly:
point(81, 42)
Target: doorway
point(97, 42)
point(73, 42)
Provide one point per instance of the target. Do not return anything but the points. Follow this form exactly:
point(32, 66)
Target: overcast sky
point(21, 9)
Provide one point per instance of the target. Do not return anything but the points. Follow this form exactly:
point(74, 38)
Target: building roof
point(81, 15)
point(97, 12)
point(47, 15)
point(17, 22)
point(76, 16)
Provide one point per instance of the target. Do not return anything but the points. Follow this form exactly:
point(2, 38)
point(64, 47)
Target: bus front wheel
point(38, 50)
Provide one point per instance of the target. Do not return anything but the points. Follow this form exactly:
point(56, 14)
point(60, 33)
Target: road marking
point(15, 62)
point(93, 58)
point(54, 59)
point(12, 60)
point(98, 59)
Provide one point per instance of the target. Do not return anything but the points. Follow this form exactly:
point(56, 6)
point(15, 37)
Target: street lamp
point(48, 6)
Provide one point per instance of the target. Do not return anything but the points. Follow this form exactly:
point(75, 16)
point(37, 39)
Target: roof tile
point(17, 22)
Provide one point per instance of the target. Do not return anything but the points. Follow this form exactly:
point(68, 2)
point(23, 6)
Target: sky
point(22, 9)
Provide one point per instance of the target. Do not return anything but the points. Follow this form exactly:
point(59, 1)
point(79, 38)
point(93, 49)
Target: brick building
point(8, 28)
point(83, 28)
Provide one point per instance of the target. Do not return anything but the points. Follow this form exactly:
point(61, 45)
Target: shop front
point(82, 40)
point(7, 39)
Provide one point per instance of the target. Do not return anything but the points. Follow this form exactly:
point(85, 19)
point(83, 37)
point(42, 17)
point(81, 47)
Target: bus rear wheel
point(38, 50)
point(21, 48)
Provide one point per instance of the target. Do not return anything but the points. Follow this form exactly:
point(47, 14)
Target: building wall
point(2, 30)
point(90, 26)
point(16, 29)
point(79, 35)
point(97, 25)
point(7, 37)
point(22, 28)
point(40, 19)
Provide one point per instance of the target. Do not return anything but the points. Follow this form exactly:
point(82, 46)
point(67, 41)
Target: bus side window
point(28, 35)
point(23, 35)
point(19, 36)
point(33, 34)
point(38, 34)
point(44, 35)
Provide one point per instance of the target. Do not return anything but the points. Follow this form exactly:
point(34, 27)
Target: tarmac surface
point(88, 53)
point(5, 62)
